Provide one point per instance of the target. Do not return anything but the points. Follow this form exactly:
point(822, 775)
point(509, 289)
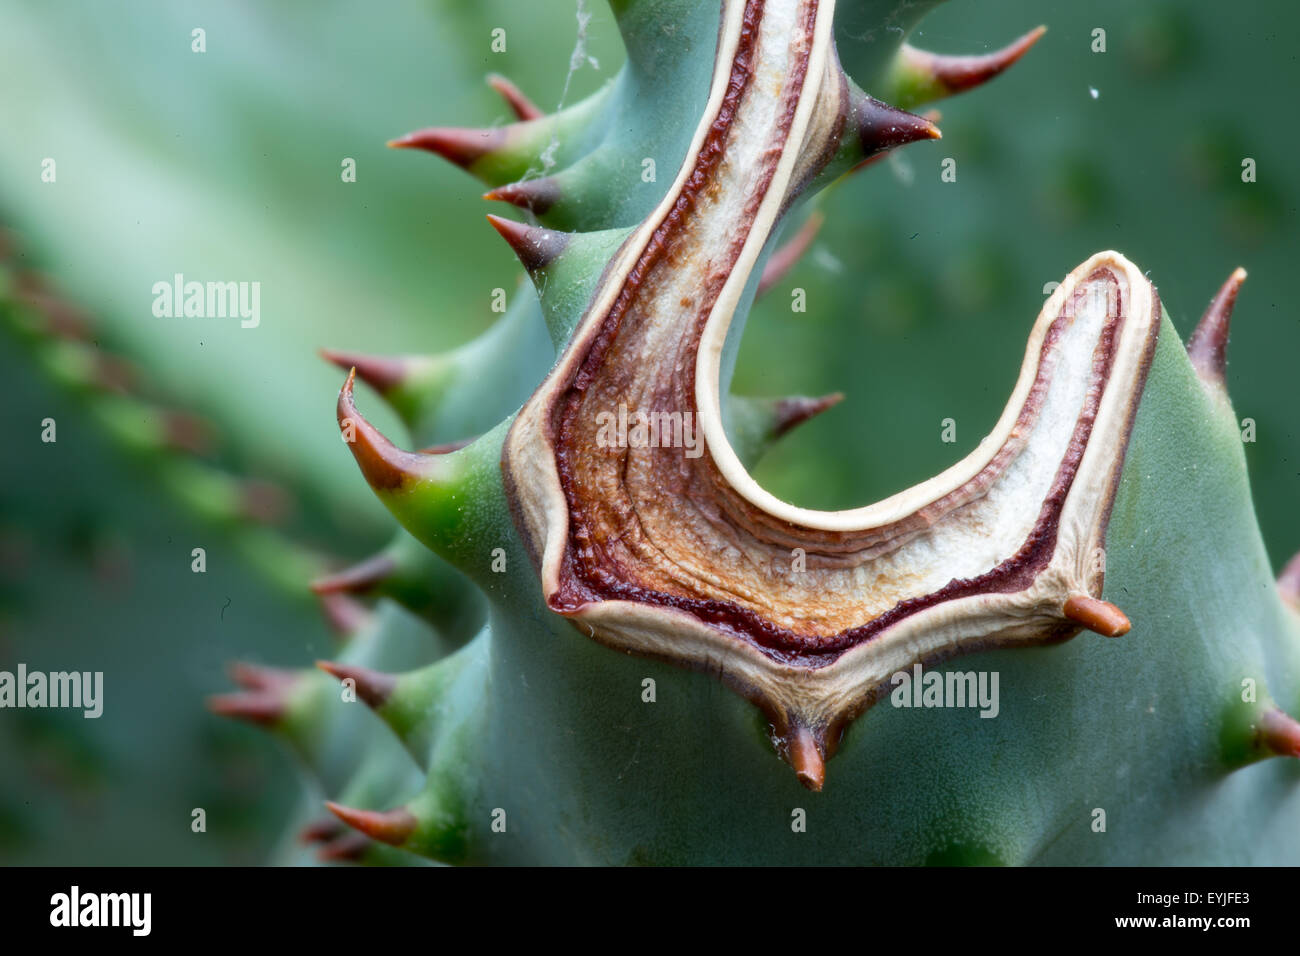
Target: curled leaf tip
point(385, 466)
point(1208, 346)
point(387, 826)
point(373, 687)
point(1101, 617)
point(536, 247)
point(523, 108)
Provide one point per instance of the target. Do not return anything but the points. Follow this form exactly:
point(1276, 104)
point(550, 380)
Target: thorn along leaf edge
point(625, 538)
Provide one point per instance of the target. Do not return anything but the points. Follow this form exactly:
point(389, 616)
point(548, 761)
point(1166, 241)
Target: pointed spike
point(462, 146)
point(257, 707)
point(1208, 346)
point(319, 831)
point(1279, 733)
point(360, 578)
point(1288, 583)
point(449, 446)
point(1101, 617)
point(524, 108)
point(260, 677)
point(345, 614)
point(789, 253)
point(185, 431)
point(805, 756)
point(382, 373)
point(373, 687)
point(797, 409)
point(536, 247)
point(393, 827)
point(948, 75)
point(264, 501)
point(348, 848)
point(385, 466)
point(535, 195)
point(882, 127)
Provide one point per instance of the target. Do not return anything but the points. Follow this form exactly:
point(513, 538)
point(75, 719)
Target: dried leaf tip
point(387, 826)
point(1208, 346)
point(1101, 617)
point(806, 758)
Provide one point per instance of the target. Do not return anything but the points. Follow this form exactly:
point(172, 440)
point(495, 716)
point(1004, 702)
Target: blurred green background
point(227, 164)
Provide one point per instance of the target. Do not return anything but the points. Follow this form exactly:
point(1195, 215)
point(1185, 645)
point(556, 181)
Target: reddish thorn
point(382, 373)
point(260, 677)
point(113, 374)
point(385, 466)
point(185, 431)
point(464, 147)
point(258, 707)
point(1279, 732)
point(796, 410)
point(883, 127)
point(785, 257)
point(373, 687)
point(535, 195)
point(1100, 616)
point(264, 501)
point(318, 831)
point(806, 758)
point(388, 826)
point(1208, 346)
point(357, 579)
point(959, 73)
point(345, 614)
point(447, 447)
point(535, 247)
point(1288, 582)
point(524, 108)
point(348, 848)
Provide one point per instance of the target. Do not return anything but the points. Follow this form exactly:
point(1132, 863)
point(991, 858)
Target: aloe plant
point(599, 640)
